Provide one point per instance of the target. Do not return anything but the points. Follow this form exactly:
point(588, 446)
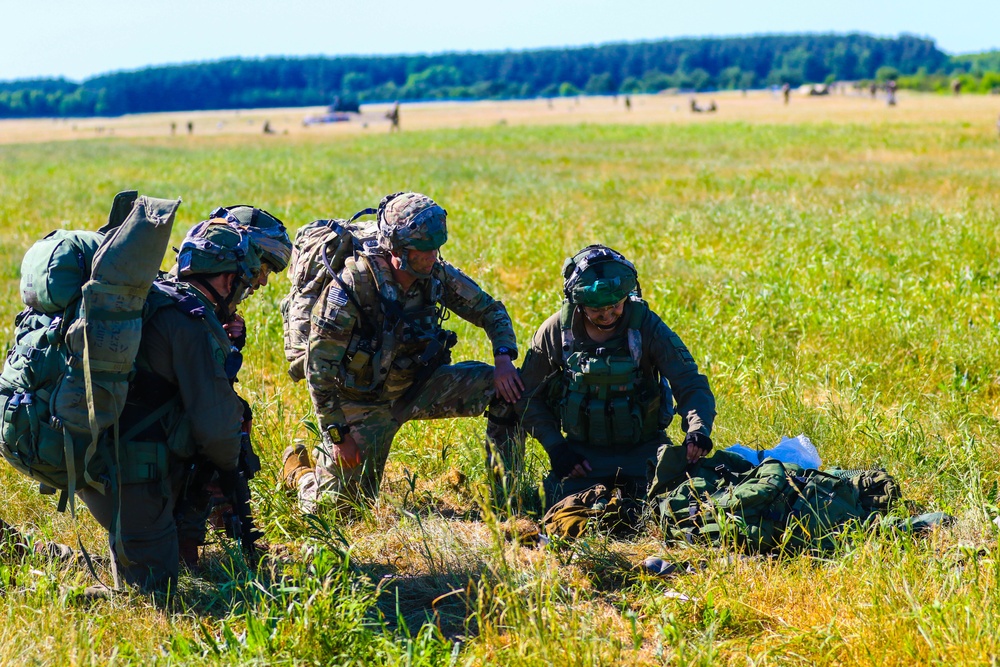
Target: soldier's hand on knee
point(347, 453)
point(506, 379)
point(581, 469)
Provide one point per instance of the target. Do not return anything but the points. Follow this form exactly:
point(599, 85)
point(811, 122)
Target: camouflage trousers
point(460, 390)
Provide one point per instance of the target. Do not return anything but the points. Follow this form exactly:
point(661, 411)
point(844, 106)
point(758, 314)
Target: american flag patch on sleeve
point(336, 297)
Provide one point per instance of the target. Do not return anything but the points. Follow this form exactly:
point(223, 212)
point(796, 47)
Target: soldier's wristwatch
point(505, 351)
point(337, 432)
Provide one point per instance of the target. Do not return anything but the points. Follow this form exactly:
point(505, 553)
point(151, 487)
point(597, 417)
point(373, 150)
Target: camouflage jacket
point(662, 355)
point(372, 354)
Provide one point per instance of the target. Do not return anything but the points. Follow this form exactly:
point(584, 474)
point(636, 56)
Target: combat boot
point(294, 464)
point(187, 549)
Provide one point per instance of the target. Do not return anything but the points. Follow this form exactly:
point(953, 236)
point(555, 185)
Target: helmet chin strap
point(223, 304)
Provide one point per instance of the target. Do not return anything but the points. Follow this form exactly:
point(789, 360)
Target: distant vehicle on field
point(338, 112)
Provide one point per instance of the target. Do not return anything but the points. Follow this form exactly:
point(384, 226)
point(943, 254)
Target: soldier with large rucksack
point(363, 327)
point(117, 381)
point(602, 377)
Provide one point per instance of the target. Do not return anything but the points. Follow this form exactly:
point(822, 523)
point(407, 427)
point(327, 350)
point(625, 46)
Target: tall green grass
point(833, 280)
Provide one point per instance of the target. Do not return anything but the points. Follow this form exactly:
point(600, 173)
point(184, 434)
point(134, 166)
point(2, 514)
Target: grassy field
point(833, 267)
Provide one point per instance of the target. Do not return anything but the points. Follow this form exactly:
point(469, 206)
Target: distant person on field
point(628, 103)
point(393, 116)
point(890, 89)
point(601, 378)
point(956, 86)
point(786, 92)
point(190, 127)
point(873, 89)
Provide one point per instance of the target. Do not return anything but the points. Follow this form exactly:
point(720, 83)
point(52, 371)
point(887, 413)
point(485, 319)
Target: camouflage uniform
point(662, 355)
point(370, 367)
point(372, 396)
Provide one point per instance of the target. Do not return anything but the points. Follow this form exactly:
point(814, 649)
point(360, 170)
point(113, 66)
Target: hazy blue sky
point(79, 38)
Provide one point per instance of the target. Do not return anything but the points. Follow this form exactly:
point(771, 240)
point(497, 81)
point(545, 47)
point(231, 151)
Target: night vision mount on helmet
point(266, 231)
point(598, 276)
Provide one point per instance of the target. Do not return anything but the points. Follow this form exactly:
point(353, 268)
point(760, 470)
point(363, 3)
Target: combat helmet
point(267, 233)
point(598, 276)
point(410, 221)
point(215, 246)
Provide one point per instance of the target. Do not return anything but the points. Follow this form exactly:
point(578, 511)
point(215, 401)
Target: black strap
point(333, 274)
point(188, 304)
point(362, 212)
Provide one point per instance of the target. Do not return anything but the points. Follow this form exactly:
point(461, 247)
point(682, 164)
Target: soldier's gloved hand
point(698, 445)
point(567, 463)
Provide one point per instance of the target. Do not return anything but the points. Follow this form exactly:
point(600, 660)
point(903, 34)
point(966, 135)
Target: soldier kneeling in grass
point(602, 377)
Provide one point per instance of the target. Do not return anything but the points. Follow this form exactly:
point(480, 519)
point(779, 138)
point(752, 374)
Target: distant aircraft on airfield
point(338, 112)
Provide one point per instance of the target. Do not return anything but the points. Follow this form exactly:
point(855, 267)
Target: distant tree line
point(642, 67)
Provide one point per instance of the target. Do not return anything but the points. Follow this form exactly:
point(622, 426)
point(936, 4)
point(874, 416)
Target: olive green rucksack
point(54, 269)
point(877, 489)
point(65, 377)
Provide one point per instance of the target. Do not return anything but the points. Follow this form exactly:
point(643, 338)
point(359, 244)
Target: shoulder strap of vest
point(391, 307)
point(637, 313)
point(566, 330)
point(187, 303)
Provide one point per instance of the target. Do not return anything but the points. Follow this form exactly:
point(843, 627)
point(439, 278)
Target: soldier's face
point(422, 261)
point(606, 316)
point(260, 279)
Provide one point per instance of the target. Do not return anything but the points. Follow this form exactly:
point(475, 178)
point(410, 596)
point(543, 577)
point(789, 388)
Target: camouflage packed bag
point(877, 489)
point(319, 252)
point(596, 507)
point(65, 378)
point(773, 506)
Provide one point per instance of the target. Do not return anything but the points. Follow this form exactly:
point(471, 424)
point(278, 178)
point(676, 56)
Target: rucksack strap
point(333, 274)
point(363, 212)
